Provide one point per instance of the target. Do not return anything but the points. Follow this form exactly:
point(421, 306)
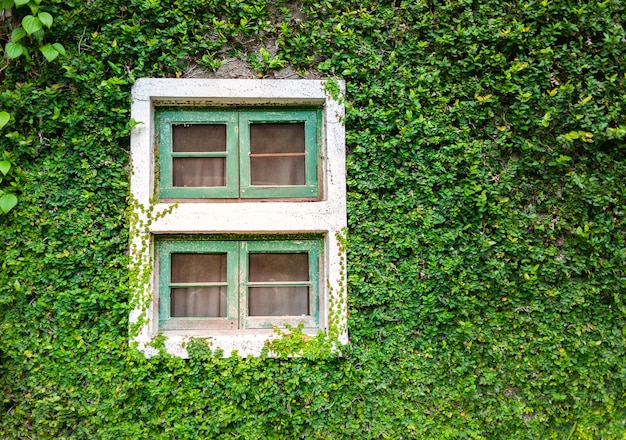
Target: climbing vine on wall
point(486, 245)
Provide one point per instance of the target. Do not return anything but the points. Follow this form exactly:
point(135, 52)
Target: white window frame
point(324, 217)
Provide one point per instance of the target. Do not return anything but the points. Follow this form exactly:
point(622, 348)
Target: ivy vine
point(486, 249)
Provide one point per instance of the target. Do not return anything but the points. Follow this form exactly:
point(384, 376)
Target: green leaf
point(6, 4)
point(17, 34)
point(14, 50)
point(21, 2)
point(31, 24)
point(7, 202)
point(4, 119)
point(39, 35)
point(5, 166)
point(49, 52)
point(45, 18)
point(59, 48)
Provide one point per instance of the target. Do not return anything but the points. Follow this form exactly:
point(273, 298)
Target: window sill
point(245, 342)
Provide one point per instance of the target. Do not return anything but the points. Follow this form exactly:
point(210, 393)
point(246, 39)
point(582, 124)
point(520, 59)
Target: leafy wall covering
point(487, 231)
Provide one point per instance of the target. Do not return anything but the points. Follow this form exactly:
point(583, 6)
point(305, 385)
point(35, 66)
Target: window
point(221, 153)
point(238, 284)
point(250, 178)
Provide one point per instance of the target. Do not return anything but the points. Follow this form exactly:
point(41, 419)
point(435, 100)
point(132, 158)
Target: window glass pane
point(265, 267)
point(278, 301)
point(277, 153)
point(198, 302)
point(277, 138)
point(199, 171)
point(198, 268)
point(198, 138)
point(278, 170)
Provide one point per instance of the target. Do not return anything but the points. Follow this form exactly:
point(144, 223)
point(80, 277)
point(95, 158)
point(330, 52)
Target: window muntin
point(217, 153)
point(238, 284)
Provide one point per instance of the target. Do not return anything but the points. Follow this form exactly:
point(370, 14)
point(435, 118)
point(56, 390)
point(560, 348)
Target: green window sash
point(238, 282)
point(238, 157)
point(312, 248)
point(165, 120)
point(307, 188)
point(165, 251)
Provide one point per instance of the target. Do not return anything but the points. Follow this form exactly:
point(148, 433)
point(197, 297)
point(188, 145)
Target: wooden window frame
point(237, 122)
point(237, 282)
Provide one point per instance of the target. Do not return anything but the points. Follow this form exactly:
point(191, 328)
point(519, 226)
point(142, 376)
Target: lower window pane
point(199, 171)
point(277, 170)
point(278, 301)
point(198, 302)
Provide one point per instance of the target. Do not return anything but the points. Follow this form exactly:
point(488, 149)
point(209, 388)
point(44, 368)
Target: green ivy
point(31, 27)
point(486, 247)
point(8, 200)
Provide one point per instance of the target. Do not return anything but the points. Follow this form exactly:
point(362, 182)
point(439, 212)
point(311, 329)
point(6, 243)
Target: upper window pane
point(196, 138)
point(277, 138)
point(268, 267)
point(198, 268)
point(198, 171)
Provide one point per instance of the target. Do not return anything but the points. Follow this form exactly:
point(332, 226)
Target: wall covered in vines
point(486, 207)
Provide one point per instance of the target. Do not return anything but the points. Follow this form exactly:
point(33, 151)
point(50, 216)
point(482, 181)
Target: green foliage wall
point(487, 231)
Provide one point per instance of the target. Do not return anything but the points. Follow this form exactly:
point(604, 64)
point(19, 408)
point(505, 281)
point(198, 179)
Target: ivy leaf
point(21, 2)
point(7, 202)
point(31, 24)
point(49, 52)
point(59, 48)
point(5, 166)
point(14, 50)
point(6, 4)
point(39, 35)
point(45, 18)
point(17, 34)
point(4, 119)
